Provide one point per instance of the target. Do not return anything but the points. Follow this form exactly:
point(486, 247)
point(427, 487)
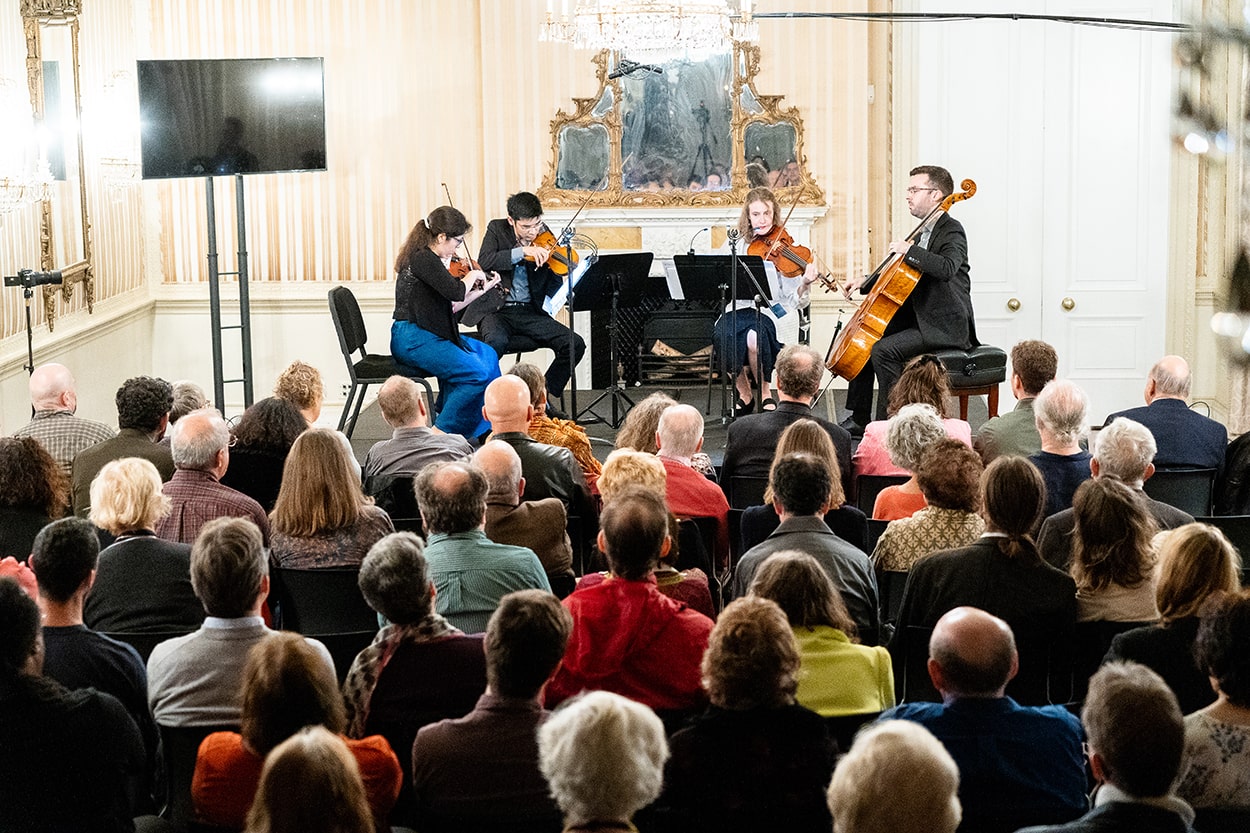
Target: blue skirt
point(730, 337)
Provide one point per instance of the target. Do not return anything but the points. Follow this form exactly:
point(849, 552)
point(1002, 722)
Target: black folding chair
point(325, 604)
point(868, 486)
point(1189, 490)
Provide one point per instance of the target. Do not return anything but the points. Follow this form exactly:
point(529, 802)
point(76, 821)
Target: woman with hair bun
point(426, 334)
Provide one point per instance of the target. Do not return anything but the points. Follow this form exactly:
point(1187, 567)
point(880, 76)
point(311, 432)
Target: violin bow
point(465, 242)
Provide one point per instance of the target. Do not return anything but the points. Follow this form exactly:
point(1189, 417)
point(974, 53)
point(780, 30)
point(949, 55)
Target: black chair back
point(916, 686)
point(1236, 529)
point(868, 486)
point(875, 528)
point(1222, 819)
point(348, 322)
point(890, 584)
point(322, 601)
point(844, 727)
point(745, 492)
point(1089, 646)
point(145, 642)
point(393, 494)
point(1189, 490)
point(179, 747)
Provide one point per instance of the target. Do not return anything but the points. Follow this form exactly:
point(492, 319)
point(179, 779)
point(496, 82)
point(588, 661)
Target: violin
point(790, 258)
point(562, 261)
point(461, 266)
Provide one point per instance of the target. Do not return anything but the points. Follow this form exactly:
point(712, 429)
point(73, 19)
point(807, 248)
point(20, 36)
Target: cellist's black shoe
point(854, 428)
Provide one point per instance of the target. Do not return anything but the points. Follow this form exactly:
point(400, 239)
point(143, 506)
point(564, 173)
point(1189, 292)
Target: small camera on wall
point(29, 278)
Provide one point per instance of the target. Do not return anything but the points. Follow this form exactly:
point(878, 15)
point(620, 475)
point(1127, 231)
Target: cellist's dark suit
point(936, 316)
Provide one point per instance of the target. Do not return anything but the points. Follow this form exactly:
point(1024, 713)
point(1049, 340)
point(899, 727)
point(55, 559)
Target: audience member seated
point(1113, 560)
point(1217, 738)
point(142, 415)
point(1033, 364)
point(1060, 415)
point(1000, 573)
point(756, 756)
point(19, 572)
point(310, 784)
point(70, 758)
point(187, 397)
point(201, 447)
point(1196, 562)
point(33, 491)
point(64, 558)
point(321, 517)
point(419, 669)
point(1232, 486)
point(260, 442)
point(1017, 764)
point(913, 429)
point(481, 771)
point(1185, 438)
point(837, 675)
point(301, 385)
point(626, 469)
point(554, 431)
point(801, 484)
point(949, 476)
point(286, 686)
point(1122, 451)
point(896, 778)
point(195, 680)
point(752, 439)
point(628, 637)
point(549, 470)
point(690, 495)
point(603, 757)
point(537, 525)
point(1135, 737)
point(846, 521)
point(413, 444)
point(924, 382)
point(142, 583)
point(637, 432)
point(471, 573)
point(54, 401)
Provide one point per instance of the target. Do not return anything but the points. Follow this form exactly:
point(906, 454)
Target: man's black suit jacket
point(496, 256)
point(941, 303)
point(752, 441)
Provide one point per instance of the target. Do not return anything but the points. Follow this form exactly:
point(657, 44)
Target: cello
point(889, 287)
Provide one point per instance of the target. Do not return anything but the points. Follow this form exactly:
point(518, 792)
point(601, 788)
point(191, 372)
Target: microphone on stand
point(696, 234)
point(732, 232)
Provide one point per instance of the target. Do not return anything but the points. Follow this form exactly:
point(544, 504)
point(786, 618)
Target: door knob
point(1013, 304)
point(1068, 304)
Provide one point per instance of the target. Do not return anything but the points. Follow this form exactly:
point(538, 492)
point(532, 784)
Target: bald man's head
point(452, 497)
point(971, 654)
point(52, 388)
point(1169, 379)
point(507, 405)
point(680, 432)
point(502, 467)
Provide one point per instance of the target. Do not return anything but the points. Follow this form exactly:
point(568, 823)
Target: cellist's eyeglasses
point(914, 190)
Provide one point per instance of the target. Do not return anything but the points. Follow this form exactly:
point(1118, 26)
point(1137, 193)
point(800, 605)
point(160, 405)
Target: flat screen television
point(231, 116)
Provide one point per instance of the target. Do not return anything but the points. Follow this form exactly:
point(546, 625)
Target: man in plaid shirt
point(54, 399)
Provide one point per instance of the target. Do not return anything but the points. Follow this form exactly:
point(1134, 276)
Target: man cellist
point(938, 313)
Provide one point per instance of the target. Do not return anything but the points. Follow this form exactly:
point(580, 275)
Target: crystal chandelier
point(651, 30)
point(18, 190)
point(24, 179)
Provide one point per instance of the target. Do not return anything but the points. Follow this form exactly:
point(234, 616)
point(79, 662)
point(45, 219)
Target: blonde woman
point(321, 517)
point(310, 784)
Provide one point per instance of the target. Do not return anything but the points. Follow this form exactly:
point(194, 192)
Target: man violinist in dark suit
point(938, 313)
point(522, 324)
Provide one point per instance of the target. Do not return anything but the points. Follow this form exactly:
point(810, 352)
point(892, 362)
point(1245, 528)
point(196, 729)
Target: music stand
point(716, 278)
point(611, 282)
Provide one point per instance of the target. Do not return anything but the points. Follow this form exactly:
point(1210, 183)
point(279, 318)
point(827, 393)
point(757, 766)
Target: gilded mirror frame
point(745, 63)
point(36, 14)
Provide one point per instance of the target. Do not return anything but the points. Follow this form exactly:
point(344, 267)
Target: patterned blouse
point(907, 540)
point(570, 435)
point(1216, 772)
point(345, 547)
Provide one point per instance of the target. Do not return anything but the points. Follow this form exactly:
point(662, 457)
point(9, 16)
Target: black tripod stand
point(703, 154)
point(28, 279)
point(612, 282)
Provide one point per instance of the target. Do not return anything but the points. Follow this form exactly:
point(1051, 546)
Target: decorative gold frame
point(35, 14)
point(746, 64)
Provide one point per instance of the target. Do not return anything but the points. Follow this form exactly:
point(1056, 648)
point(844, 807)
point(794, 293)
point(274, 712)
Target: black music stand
point(718, 278)
point(611, 282)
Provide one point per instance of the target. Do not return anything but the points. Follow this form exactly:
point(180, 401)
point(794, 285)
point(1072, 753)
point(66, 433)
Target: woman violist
point(425, 333)
point(744, 351)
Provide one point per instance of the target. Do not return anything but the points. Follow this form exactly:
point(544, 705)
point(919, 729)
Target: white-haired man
point(1184, 438)
point(679, 436)
point(1059, 412)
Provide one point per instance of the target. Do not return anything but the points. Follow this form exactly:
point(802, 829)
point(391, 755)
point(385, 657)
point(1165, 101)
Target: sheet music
point(553, 304)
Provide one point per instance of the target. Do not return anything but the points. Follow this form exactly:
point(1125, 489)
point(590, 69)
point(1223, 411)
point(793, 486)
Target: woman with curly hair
point(912, 430)
point(1196, 563)
point(756, 756)
point(261, 440)
point(924, 382)
point(638, 430)
point(322, 518)
point(34, 491)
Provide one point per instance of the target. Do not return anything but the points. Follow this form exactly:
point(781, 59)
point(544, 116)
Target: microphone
point(696, 234)
point(732, 232)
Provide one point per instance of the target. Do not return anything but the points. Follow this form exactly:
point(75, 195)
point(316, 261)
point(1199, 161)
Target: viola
point(461, 266)
point(562, 261)
point(790, 258)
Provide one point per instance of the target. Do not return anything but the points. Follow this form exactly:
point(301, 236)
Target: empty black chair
point(179, 747)
point(1236, 529)
point(327, 605)
point(393, 494)
point(1189, 490)
point(868, 486)
point(844, 727)
point(370, 368)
